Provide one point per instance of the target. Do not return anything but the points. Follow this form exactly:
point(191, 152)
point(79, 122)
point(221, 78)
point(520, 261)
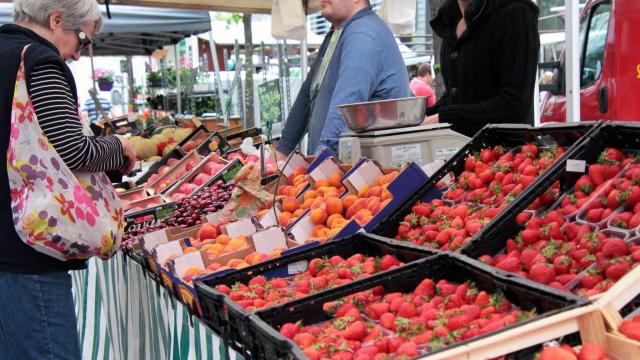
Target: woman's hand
point(433, 119)
point(129, 154)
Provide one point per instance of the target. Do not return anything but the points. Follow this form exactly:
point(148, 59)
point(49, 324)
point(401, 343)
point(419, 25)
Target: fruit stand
point(525, 236)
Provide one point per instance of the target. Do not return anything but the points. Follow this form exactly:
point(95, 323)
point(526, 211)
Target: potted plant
point(104, 78)
point(154, 79)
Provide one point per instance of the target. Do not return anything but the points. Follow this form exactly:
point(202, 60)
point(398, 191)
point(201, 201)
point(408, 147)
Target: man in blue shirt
point(358, 61)
point(90, 108)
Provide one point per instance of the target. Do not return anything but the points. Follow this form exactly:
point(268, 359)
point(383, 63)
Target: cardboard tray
point(153, 169)
point(178, 167)
point(549, 304)
point(226, 317)
point(510, 136)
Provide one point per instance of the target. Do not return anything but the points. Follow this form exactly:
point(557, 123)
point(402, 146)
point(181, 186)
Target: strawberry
point(633, 196)
point(289, 330)
point(470, 163)
point(388, 321)
point(530, 151)
point(597, 174)
point(356, 331)
point(279, 283)
point(407, 310)
point(425, 288)
point(584, 184)
point(421, 210)
point(556, 353)
point(510, 264)
point(616, 198)
point(542, 273)
point(456, 322)
point(376, 310)
point(592, 279)
point(614, 247)
point(530, 236)
point(564, 279)
point(387, 262)
point(591, 351)
point(617, 270)
point(611, 155)
point(407, 349)
point(562, 264)
point(630, 329)
point(487, 156)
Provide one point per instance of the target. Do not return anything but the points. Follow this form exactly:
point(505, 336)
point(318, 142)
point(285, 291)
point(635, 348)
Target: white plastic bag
point(400, 15)
point(288, 20)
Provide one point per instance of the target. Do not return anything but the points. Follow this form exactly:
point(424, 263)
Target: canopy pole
point(216, 71)
point(93, 71)
point(178, 90)
point(304, 59)
point(132, 100)
point(572, 68)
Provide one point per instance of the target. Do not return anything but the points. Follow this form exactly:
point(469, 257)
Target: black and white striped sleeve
point(57, 114)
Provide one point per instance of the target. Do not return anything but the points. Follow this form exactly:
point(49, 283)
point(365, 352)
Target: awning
point(241, 6)
point(137, 30)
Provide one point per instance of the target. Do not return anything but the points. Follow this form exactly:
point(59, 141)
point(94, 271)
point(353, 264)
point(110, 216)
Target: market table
point(124, 314)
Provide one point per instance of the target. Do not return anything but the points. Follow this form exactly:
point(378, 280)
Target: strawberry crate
point(556, 313)
point(562, 228)
point(495, 186)
point(229, 318)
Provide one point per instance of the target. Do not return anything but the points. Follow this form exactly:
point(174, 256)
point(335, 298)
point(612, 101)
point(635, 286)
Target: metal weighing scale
point(422, 144)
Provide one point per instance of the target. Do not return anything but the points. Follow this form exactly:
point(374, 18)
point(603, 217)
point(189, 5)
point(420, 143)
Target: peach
point(318, 216)
point(207, 231)
point(357, 206)
point(289, 204)
point(234, 262)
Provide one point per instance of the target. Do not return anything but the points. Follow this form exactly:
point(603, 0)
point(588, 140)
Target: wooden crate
point(587, 320)
point(609, 304)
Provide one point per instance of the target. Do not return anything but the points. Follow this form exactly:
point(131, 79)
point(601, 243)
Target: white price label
point(445, 152)
point(155, 238)
point(406, 152)
point(269, 240)
point(297, 267)
point(577, 166)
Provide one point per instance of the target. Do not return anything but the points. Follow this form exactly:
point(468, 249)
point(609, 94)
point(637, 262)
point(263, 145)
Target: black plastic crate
point(492, 239)
point(452, 267)
point(231, 320)
point(569, 136)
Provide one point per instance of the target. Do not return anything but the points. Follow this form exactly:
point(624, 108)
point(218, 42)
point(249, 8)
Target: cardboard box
point(264, 241)
point(144, 203)
point(127, 196)
point(189, 177)
point(174, 174)
point(200, 135)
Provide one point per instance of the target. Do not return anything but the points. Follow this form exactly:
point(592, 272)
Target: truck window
point(596, 40)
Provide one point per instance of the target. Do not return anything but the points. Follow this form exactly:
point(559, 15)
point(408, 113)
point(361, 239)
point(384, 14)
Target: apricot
point(334, 206)
point(223, 239)
point(284, 218)
point(310, 194)
point(297, 213)
point(321, 183)
point(189, 250)
point(214, 267)
point(363, 190)
point(357, 206)
point(234, 262)
point(374, 191)
point(318, 216)
point(335, 178)
point(207, 231)
point(363, 216)
point(348, 201)
point(374, 205)
point(332, 218)
point(289, 204)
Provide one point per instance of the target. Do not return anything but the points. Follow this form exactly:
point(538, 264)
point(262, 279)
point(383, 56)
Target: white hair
point(75, 13)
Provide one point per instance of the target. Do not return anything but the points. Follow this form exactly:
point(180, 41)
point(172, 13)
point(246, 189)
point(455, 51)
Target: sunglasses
point(83, 39)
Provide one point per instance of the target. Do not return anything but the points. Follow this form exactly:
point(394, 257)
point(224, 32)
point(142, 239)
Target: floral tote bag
point(64, 214)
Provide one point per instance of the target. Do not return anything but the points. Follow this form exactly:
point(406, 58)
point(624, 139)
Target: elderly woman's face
point(68, 42)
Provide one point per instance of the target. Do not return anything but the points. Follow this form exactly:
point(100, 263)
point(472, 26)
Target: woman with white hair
point(37, 317)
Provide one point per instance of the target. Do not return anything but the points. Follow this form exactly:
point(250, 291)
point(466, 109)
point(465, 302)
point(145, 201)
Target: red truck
point(609, 65)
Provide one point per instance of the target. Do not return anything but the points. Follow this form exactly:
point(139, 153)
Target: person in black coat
point(488, 61)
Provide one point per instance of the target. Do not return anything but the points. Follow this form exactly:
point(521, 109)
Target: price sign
point(269, 95)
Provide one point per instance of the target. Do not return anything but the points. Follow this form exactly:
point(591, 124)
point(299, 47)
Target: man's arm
point(357, 80)
point(517, 59)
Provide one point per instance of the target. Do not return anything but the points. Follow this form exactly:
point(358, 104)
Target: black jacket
point(490, 71)
point(15, 256)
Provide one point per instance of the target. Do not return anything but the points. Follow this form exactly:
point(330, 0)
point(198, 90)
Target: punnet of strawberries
point(583, 244)
point(588, 351)
point(631, 328)
point(376, 325)
point(491, 179)
point(321, 274)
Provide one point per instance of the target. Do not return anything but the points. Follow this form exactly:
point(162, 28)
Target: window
point(596, 41)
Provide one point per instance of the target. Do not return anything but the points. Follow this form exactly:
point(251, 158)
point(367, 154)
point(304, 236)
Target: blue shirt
point(366, 66)
point(90, 107)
